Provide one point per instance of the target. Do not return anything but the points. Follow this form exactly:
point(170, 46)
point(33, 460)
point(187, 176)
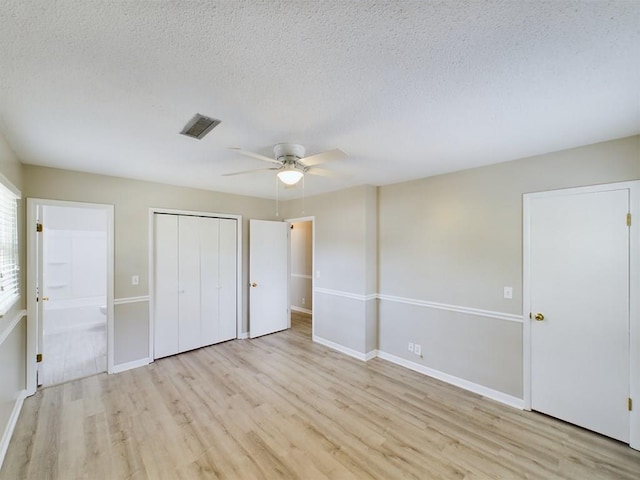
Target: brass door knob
point(539, 317)
point(254, 284)
point(45, 299)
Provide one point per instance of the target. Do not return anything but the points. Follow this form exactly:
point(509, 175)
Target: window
point(9, 257)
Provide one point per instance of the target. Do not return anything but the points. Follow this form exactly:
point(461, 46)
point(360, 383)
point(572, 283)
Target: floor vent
point(199, 126)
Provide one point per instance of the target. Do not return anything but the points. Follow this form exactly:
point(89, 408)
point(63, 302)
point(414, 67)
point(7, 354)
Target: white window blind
point(9, 259)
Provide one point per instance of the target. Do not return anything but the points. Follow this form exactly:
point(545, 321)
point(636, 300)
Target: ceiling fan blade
point(248, 171)
point(256, 155)
point(321, 172)
point(324, 157)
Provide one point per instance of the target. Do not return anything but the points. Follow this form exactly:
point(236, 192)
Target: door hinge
point(38, 357)
point(628, 219)
point(629, 404)
point(38, 227)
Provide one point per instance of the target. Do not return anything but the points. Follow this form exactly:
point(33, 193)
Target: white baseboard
point(123, 367)
point(371, 355)
point(11, 425)
point(445, 377)
point(300, 309)
point(342, 349)
point(458, 382)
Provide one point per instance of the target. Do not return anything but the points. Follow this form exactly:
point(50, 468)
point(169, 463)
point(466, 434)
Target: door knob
point(254, 284)
point(45, 299)
point(539, 317)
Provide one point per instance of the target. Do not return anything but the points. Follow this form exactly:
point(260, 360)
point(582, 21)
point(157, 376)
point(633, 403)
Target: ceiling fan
point(292, 163)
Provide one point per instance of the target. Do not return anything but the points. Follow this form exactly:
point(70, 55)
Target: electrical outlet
point(135, 280)
point(417, 349)
point(304, 301)
point(410, 347)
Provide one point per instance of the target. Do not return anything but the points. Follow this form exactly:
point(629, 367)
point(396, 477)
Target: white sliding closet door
point(209, 290)
point(189, 282)
point(166, 285)
point(195, 295)
point(227, 284)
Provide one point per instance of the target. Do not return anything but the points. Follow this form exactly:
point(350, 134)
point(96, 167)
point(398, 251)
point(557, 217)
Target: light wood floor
point(74, 354)
point(283, 407)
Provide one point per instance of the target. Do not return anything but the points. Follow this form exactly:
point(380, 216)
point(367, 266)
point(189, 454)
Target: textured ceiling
point(407, 88)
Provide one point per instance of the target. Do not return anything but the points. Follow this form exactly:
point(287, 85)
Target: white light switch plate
point(135, 280)
point(508, 292)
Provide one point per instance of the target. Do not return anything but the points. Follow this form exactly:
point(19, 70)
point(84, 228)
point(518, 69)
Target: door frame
point(239, 283)
point(311, 219)
point(32, 259)
point(634, 288)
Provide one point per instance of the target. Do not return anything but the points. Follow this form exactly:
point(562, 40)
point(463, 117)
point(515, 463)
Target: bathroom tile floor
point(74, 354)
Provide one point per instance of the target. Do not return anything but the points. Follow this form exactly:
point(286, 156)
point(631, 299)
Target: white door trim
point(239, 284)
point(311, 219)
point(32, 258)
point(634, 297)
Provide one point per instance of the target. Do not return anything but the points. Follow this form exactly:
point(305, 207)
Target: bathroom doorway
point(73, 249)
point(301, 275)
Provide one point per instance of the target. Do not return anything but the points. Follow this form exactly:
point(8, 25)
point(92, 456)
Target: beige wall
point(345, 225)
point(457, 239)
point(13, 348)
point(132, 200)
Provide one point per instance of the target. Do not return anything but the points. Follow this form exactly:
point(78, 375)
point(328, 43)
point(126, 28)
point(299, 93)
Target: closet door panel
point(228, 279)
point(189, 283)
point(165, 283)
point(208, 231)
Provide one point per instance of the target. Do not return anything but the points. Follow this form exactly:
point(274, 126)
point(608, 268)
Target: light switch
point(317, 273)
point(508, 292)
point(135, 280)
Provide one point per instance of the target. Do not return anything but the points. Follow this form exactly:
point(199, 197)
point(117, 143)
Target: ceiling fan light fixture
point(290, 176)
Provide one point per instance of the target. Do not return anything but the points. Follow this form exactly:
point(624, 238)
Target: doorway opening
point(301, 275)
point(70, 290)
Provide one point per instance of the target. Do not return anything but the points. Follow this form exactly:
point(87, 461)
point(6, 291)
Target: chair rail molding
point(454, 308)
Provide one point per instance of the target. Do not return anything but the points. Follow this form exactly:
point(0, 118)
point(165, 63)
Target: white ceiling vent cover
point(199, 126)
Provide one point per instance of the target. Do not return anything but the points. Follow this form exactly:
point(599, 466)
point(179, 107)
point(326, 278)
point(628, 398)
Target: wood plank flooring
point(282, 407)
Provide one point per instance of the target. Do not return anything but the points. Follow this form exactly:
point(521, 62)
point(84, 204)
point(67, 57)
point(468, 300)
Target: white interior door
point(268, 277)
point(579, 284)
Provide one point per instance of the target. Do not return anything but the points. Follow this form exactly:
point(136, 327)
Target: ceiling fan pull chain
point(277, 199)
point(303, 195)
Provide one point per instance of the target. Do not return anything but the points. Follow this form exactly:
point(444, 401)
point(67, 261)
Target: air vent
point(199, 126)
